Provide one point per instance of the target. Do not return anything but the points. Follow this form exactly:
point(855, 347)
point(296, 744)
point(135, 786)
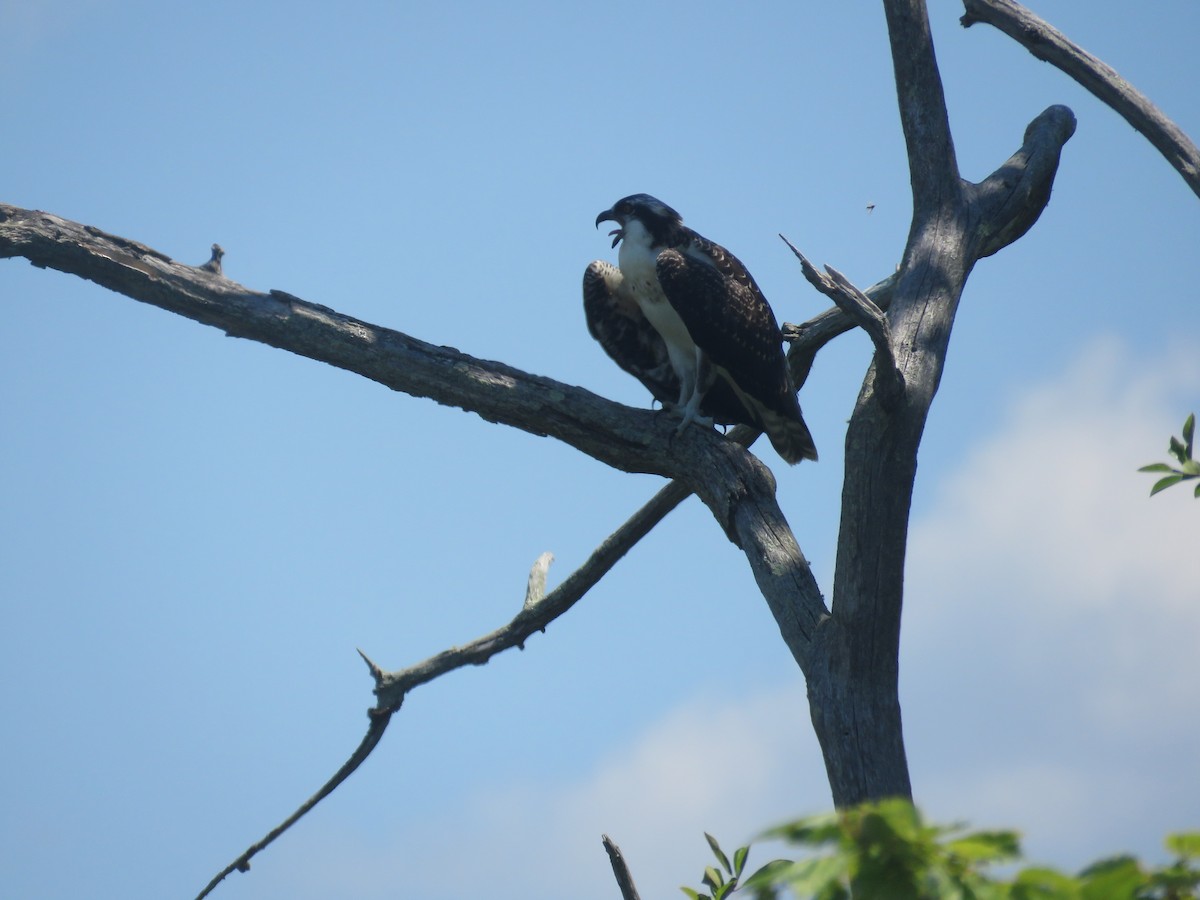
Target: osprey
point(683, 316)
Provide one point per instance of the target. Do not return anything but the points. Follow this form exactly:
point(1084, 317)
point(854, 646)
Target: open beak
point(609, 216)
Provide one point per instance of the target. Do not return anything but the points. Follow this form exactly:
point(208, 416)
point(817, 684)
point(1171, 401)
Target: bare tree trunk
point(853, 678)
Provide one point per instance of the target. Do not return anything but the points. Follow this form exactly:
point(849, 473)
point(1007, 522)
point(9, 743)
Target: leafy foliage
point(886, 850)
point(723, 881)
point(1189, 466)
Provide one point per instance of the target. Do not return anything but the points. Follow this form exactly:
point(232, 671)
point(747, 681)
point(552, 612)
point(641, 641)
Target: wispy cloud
point(728, 765)
point(1053, 616)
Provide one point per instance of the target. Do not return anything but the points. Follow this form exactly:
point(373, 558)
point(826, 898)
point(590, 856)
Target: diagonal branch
point(1052, 46)
point(860, 309)
point(737, 488)
point(614, 434)
point(720, 472)
point(379, 723)
point(811, 336)
point(537, 612)
point(392, 687)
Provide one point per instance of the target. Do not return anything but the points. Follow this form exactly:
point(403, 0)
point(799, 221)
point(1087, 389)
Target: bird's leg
point(690, 405)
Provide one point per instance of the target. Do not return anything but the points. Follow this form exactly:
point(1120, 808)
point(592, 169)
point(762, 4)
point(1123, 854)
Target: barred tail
point(789, 436)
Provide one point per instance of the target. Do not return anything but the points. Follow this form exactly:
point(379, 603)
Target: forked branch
point(537, 612)
point(862, 311)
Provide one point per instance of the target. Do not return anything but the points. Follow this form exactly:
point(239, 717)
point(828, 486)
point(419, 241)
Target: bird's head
point(658, 219)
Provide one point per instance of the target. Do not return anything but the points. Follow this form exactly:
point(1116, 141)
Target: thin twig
point(1050, 45)
point(535, 618)
point(536, 613)
point(379, 723)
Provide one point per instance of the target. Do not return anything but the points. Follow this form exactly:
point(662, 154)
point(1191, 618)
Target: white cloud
point(727, 765)
point(1053, 617)
point(1057, 484)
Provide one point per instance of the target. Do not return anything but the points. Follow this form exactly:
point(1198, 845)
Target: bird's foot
point(690, 413)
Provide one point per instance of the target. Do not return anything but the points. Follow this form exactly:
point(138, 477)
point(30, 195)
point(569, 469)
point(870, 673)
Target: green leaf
point(767, 874)
point(694, 894)
point(1156, 467)
point(815, 877)
point(712, 877)
point(986, 846)
point(1037, 883)
point(716, 848)
point(739, 860)
point(1186, 844)
point(1164, 483)
point(1177, 450)
point(1112, 879)
point(812, 830)
point(1191, 468)
point(901, 817)
point(1196, 493)
point(1189, 432)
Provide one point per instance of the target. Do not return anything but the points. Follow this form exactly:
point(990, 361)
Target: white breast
point(637, 260)
point(638, 266)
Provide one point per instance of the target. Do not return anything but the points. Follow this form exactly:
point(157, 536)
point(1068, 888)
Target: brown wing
point(730, 320)
point(618, 324)
point(614, 319)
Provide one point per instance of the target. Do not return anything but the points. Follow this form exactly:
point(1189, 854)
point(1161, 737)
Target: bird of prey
point(683, 316)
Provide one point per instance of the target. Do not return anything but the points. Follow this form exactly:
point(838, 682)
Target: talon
point(690, 413)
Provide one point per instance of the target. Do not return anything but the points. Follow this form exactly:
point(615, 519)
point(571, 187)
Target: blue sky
point(198, 531)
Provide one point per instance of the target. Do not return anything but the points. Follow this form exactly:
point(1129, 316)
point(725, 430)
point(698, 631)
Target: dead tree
point(848, 650)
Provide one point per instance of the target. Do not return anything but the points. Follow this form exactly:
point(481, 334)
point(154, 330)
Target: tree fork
point(853, 673)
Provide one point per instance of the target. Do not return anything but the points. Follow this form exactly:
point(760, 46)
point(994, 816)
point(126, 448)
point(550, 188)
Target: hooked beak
point(609, 216)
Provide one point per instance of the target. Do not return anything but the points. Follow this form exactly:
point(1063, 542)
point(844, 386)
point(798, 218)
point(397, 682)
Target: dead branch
point(861, 310)
point(1011, 199)
point(379, 723)
point(737, 488)
point(1052, 46)
point(620, 869)
point(537, 612)
point(627, 439)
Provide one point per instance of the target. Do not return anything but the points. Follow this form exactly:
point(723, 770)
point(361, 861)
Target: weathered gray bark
point(849, 654)
point(1052, 46)
point(853, 678)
